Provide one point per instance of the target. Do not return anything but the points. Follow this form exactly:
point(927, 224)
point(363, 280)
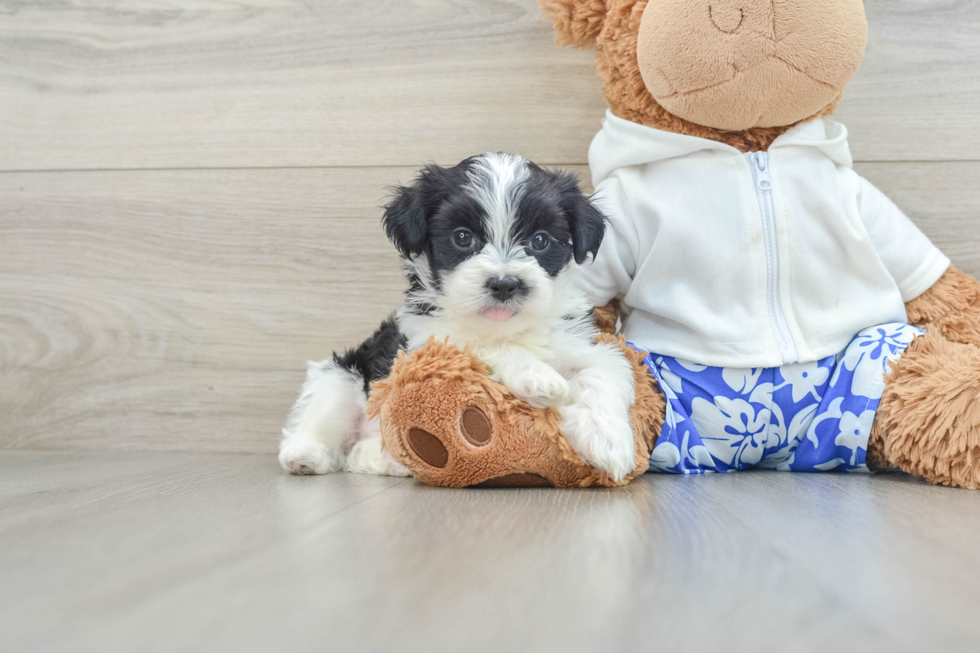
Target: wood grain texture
point(174, 310)
point(253, 83)
point(889, 546)
point(163, 552)
point(177, 309)
point(917, 90)
point(943, 199)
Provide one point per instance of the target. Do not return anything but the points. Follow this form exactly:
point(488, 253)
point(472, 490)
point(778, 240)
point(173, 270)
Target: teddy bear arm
point(951, 308)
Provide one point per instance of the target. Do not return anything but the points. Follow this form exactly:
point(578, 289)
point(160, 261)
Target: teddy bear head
point(737, 71)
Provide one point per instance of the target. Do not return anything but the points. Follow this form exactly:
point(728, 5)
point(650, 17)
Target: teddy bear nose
point(726, 16)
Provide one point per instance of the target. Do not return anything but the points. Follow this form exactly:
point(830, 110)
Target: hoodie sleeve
point(611, 273)
point(910, 257)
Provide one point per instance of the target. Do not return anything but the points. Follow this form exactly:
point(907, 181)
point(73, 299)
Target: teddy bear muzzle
point(739, 64)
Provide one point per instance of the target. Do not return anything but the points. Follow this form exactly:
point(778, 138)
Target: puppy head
point(490, 237)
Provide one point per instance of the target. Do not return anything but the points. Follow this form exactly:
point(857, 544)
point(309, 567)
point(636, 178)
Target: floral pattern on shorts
point(801, 417)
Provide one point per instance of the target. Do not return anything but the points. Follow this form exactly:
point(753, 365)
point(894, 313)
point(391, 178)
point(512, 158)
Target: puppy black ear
point(585, 220)
point(406, 217)
point(405, 221)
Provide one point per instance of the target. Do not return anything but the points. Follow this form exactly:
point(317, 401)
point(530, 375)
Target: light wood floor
point(189, 195)
point(214, 552)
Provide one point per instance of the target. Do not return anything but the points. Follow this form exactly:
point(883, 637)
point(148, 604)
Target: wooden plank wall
point(189, 189)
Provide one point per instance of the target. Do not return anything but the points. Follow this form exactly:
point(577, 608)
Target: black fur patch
point(407, 216)
point(373, 358)
point(412, 303)
point(553, 202)
point(461, 211)
point(420, 308)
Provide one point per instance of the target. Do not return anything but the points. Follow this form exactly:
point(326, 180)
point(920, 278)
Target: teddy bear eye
point(540, 241)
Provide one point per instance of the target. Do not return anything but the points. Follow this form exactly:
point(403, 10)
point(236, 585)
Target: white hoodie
point(749, 260)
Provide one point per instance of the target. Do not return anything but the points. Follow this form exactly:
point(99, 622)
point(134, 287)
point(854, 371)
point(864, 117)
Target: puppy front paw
point(601, 437)
point(303, 455)
point(538, 385)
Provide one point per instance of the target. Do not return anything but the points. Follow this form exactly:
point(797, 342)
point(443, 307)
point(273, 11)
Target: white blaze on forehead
point(496, 181)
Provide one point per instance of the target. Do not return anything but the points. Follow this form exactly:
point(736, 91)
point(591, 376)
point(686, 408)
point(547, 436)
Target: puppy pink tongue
point(498, 314)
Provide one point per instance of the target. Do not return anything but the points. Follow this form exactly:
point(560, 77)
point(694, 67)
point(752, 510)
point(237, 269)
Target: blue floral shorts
point(801, 417)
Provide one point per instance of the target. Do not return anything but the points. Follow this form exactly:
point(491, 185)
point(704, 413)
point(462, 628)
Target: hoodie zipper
point(759, 162)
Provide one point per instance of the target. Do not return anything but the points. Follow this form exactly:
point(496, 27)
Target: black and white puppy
point(492, 250)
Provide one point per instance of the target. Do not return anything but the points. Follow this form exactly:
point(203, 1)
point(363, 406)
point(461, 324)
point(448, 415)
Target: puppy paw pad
point(476, 426)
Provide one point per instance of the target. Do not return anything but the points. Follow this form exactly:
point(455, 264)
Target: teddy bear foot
point(928, 423)
point(476, 429)
point(444, 419)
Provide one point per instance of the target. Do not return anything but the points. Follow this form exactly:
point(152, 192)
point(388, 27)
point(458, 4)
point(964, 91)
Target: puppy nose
point(504, 288)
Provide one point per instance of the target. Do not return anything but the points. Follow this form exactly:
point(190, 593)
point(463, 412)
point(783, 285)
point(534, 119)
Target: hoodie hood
point(623, 143)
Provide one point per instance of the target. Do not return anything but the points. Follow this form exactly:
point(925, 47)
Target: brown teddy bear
point(799, 320)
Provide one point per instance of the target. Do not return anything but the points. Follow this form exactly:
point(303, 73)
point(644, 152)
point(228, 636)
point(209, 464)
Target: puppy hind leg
point(328, 419)
point(367, 456)
point(323, 421)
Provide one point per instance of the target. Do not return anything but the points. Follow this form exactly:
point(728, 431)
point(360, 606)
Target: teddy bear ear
point(577, 22)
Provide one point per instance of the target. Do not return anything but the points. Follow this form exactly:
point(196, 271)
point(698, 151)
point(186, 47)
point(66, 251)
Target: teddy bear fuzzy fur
point(427, 406)
point(612, 27)
point(928, 422)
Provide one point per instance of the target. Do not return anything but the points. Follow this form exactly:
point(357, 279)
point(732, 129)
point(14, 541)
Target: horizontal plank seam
point(274, 439)
point(378, 167)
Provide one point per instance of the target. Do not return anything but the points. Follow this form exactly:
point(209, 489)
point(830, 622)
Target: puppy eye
point(540, 241)
point(463, 238)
